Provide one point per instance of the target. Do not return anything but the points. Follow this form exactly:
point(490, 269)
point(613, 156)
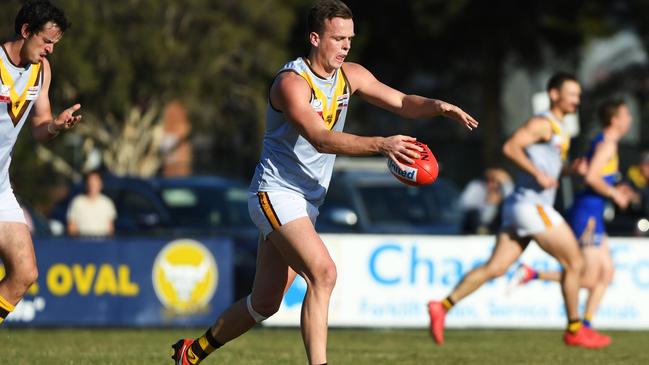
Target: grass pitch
point(284, 346)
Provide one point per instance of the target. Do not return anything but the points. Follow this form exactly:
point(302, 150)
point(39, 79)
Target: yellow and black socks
point(587, 318)
point(574, 325)
point(5, 309)
point(448, 303)
point(201, 347)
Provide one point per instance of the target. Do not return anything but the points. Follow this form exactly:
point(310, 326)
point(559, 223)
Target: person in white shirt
point(93, 213)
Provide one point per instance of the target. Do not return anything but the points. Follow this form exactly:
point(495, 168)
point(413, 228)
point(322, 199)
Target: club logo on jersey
point(316, 104)
point(185, 276)
point(5, 94)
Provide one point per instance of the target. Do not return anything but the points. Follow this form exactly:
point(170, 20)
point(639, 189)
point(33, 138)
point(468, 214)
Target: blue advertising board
point(128, 282)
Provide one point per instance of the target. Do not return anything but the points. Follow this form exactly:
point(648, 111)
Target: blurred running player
point(25, 81)
point(539, 149)
point(586, 216)
point(304, 133)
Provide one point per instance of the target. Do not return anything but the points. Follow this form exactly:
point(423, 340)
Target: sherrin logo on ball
point(423, 171)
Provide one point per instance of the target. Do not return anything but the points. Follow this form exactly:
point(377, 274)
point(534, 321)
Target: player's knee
point(23, 278)
point(588, 282)
point(609, 275)
point(574, 264)
point(495, 271)
point(29, 276)
point(325, 277)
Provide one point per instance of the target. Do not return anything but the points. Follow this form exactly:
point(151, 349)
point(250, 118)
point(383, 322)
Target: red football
point(421, 172)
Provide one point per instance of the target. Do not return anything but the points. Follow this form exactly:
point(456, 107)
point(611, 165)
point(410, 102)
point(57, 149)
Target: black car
point(364, 198)
point(197, 206)
point(185, 205)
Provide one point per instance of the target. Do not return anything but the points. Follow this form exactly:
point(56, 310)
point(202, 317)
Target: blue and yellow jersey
point(19, 88)
point(288, 161)
point(586, 197)
point(586, 216)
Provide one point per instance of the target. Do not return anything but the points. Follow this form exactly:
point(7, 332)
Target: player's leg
point(303, 249)
point(506, 251)
point(560, 243)
point(508, 248)
point(600, 280)
point(272, 278)
point(17, 254)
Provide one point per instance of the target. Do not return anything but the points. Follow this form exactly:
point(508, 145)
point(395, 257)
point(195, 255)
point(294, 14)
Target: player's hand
point(631, 195)
point(579, 166)
point(400, 149)
point(546, 181)
point(620, 198)
point(454, 112)
point(67, 119)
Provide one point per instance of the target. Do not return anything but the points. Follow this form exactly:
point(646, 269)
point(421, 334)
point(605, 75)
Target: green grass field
point(284, 346)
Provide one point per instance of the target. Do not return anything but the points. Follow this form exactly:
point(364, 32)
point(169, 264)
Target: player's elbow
point(322, 142)
point(590, 179)
point(508, 149)
point(39, 137)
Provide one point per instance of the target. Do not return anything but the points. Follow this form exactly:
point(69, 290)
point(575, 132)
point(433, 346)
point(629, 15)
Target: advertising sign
point(386, 281)
point(128, 282)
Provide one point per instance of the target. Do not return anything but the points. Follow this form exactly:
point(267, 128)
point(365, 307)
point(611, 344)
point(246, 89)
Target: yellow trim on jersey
point(611, 167)
point(18, 101)
point(329, 112)
point(558, 129)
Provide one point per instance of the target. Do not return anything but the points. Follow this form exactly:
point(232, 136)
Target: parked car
point(364, 198)
point(196, 206)
point(177, 206)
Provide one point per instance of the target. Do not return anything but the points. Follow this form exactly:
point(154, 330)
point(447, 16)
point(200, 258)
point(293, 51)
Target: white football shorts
point(10, 210)
point(527, 218)
point(270, 210)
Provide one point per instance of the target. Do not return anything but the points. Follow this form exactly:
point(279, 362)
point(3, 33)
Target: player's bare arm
point(408, 106)
point(535, 130)
point(291, 94)
point(44, 125)
point(603, 153)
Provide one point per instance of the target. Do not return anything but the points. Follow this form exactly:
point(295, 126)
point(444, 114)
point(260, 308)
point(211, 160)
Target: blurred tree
point(456, 50)
point(121, 58)
point(128, 58)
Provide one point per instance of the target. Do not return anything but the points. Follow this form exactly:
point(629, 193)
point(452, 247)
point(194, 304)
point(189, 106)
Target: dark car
point(364, 198)
point(197, 206)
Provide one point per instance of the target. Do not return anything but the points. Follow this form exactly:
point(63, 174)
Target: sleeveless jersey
point(588, 199)
point(288, 161)
point(548, 157)
point(19, 88)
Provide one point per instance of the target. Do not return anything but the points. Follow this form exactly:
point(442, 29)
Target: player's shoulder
point(539, 122)
point(606, 143)
point(357, 75)
point(45, 64)
point(355, 70)
point(289, 80)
